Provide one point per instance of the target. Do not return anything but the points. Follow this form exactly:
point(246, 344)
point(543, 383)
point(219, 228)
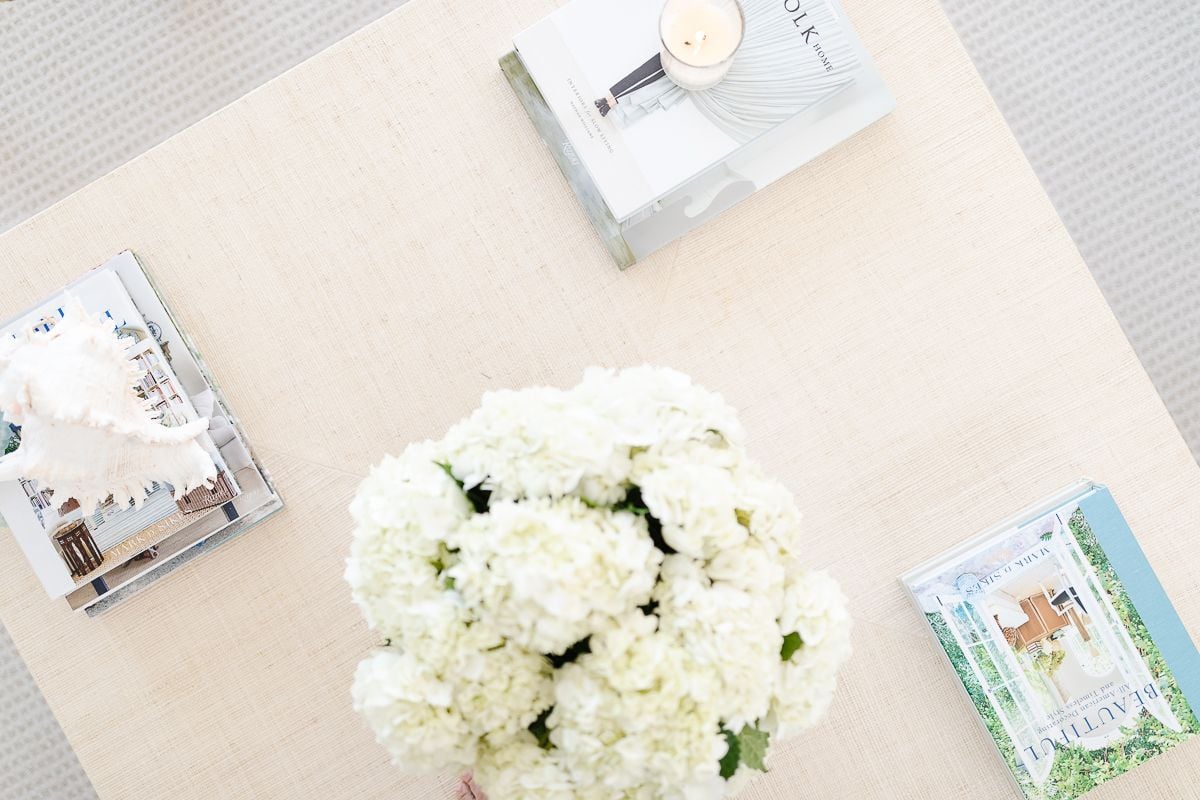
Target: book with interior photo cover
point(96, 557)
point(1067, 646)
point(650, 161)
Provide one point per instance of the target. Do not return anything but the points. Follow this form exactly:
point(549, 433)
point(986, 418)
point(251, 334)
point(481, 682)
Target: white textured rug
point(85, 86)
point(1104, 98)
point(36, 762)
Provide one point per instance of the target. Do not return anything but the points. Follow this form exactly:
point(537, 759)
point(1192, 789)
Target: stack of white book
point(95, 557)
point(650, 161)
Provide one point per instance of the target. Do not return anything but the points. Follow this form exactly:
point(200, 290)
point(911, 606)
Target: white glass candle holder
point(699, 40)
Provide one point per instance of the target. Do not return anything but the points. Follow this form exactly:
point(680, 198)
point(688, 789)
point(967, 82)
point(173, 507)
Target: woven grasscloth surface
point(365, 245)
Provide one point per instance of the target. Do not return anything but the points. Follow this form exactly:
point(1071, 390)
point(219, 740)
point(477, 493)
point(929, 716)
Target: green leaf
point(748, 747)
point(753, 745)
point(791, 643)
point(729, 762)
point(477, 495)
point(743, 517)
point(540, 731)
point(445, 465)
point(634, 504)
point(568, 656)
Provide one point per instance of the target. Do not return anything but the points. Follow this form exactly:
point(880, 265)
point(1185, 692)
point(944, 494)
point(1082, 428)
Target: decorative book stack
point(650, 160)
point(1066, 645)
point(97, 552)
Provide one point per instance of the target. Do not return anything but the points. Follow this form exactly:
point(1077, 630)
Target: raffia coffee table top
point(363, 246)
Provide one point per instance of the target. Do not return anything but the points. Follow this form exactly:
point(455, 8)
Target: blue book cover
point(1065, 642)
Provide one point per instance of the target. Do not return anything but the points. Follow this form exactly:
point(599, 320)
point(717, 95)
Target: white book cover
point(125, 544)
point(637, 134)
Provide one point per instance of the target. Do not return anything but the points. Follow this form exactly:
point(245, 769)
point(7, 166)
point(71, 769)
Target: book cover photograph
point(1068, 648)
point(68, 363)
point(650, 160)
point(640, 134)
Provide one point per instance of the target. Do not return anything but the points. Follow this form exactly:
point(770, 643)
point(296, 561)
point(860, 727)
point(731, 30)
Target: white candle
point(699, 39)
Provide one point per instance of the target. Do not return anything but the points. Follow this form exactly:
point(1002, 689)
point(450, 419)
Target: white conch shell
point(84, 431)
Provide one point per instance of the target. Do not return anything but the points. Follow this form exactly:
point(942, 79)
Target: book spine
point(556, 140)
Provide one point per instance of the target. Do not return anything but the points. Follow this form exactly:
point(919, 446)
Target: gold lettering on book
point(149, 536)
point(145, 539)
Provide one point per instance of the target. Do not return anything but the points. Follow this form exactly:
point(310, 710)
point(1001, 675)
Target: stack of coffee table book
point(651, 161)
point(95, 557)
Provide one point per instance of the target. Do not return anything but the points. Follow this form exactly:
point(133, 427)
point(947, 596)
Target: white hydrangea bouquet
point(590, 593)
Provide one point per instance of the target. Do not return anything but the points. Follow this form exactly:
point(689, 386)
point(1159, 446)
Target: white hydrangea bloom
point(635, 717)
point(708, 449)
point(545, 573)
point(803, 693)
point(770, 511)
point(728, 633)
point(405, 509)
point(410, 503)
point(531, 528)
point(740, 780)
point(654, 407)
point(538, 443)
point(499, 688)
point(695, 504)
point(751, 568)
point(521, 769)
point(411, 710)
point(387, 589)
point(815, 608)
point(470, 678)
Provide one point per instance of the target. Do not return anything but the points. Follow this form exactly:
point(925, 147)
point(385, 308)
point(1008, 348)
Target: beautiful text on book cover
point(1054, 652)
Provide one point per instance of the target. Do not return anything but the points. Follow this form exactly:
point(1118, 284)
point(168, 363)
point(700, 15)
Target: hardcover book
point(1069, 650)
point(650, 161)
point(96, 557)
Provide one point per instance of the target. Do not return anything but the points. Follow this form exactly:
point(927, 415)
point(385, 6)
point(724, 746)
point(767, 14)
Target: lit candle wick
point(699, 37)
